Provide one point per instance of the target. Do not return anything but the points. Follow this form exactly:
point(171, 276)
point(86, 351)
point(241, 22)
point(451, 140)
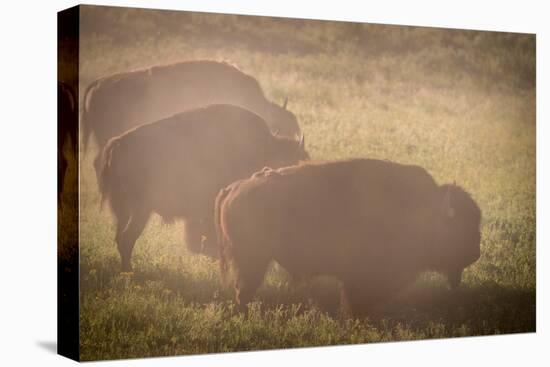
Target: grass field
point(461, 104)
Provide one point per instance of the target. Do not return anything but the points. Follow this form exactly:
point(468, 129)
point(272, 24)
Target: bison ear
point(302, 141)
point(285, 103)
point(448, 210)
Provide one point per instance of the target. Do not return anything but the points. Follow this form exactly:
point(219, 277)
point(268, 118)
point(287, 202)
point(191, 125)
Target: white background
point(28, 182)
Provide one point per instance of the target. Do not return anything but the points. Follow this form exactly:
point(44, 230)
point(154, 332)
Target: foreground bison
point(176, 166)
point(119, 102)
point(67, 121)
point(375, 225)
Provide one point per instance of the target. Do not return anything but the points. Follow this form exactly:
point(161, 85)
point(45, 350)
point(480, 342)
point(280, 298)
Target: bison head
point(286, 151)
point(282, 120)
point(457, 233)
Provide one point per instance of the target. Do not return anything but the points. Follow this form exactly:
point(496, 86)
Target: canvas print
point(232, 183)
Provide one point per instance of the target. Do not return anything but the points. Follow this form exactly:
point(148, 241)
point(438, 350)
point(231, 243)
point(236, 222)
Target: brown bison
point(176, 166)
point(67, 123)
point(122, 101)
point(373, 224)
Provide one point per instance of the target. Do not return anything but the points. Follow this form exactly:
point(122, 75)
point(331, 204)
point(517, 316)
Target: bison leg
point(345, 303)
point(127, 236)
point(249, 277)
point(359, 298)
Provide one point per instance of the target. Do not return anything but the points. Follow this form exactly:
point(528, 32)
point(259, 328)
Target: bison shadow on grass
point(483, 309)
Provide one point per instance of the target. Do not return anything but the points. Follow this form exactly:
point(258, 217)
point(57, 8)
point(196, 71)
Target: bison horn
point(285, 103)
point(447, 208)
point(302, 141)
point(276, 132)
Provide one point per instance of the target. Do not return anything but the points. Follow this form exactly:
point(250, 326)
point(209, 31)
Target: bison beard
point(176, 166)
point(375, 225)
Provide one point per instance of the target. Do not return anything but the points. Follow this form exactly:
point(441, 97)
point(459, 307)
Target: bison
point(373, 224)
point(67, 123)
point(116, 103)
point(176, 166)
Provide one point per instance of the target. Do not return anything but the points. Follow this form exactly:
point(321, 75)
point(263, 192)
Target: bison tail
point(224, 242)
point(106, 180)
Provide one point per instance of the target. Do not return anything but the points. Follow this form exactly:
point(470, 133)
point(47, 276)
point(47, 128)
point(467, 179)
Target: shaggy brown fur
point(116, 103)
point(375, 225)
point(176, 166)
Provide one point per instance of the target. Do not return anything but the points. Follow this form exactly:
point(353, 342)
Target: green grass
point(461, 104)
